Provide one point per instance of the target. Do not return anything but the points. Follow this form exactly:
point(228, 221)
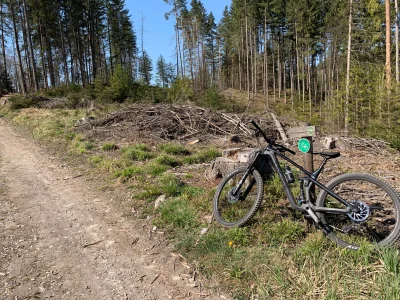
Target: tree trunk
point(346, 105)
point(31, 54)
point(3, 44)
point(16, 38)
point(396, 40)
point(388, 27)
point(247, 60)
point(64, 52)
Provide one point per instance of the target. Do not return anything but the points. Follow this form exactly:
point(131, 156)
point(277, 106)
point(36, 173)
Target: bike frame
point(308, 182)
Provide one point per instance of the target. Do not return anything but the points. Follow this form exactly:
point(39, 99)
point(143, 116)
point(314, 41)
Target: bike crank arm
point(309, 211)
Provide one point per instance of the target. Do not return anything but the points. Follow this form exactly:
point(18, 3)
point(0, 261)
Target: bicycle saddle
point(329, 155)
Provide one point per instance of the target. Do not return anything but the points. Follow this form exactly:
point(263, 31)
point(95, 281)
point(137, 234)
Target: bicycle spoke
point(377, 202)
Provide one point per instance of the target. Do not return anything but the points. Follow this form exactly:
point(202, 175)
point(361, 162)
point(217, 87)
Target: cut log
point(222, 166)
point(328, 142)
point(279, 127)
point(230, 152)
point(245, 155)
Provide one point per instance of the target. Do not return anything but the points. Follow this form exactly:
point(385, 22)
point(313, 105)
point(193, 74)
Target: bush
point(20, 102)
point(213, 99)
point(120, 86)
point(63, 91)
point(181, 90)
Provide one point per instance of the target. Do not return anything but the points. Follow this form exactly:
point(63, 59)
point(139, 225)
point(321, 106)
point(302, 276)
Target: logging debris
point(173, 122)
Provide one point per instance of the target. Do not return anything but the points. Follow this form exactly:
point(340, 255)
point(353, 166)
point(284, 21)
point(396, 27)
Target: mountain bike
point(352, 209)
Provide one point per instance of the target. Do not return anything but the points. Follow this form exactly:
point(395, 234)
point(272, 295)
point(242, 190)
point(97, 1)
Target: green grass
point(167, 160)
point(202, 156)
point(177, 213)
point(173, 149)
point(128, 172)
point(155, 169)
point(276, 256)
point(138, 152)
point(109, 147)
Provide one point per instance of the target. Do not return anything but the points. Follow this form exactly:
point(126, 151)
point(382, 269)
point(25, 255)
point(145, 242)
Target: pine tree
point(145, 68)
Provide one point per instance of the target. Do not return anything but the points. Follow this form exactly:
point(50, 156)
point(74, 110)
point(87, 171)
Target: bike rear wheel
point(231, 209)
point(376, 224)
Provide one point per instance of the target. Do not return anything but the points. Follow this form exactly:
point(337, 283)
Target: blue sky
point(159, 36)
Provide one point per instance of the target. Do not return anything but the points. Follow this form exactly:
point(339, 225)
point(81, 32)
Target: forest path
point(60, 237)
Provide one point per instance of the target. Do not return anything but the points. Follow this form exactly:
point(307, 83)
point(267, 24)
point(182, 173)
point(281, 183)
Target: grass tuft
point(109, 147)
point(202, 156)
point(138, 152)
point(174, 149)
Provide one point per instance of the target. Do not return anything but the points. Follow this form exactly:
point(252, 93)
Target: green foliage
point(174, 149)
point(171, 185)
point(128, 172)
point(165, 75)
point(202, 156)
point(155, 169)
point(145, 68)
point(6, 85)
point(167, 160)
point(213, 99)
point(181, 89)
point(138, 152)
point(284, 231)
point(83, 146)
point(109, 147)
point(63, 91)
point(20, 102)
point(177, 213)
point(120, 85)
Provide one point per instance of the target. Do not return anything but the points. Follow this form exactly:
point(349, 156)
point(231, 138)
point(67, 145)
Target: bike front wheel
point(234, 207)
point(376, 223)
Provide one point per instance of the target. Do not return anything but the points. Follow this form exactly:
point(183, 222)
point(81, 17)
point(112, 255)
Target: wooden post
point(305, 132)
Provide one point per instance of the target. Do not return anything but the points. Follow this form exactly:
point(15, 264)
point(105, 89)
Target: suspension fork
point(242, 180)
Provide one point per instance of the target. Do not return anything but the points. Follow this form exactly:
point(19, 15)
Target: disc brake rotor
point(363, 212)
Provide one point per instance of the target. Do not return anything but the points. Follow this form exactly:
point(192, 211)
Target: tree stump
point(222, 166)
point(231, 160)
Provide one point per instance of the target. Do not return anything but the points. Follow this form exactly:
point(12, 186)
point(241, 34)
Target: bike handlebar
point(271, 142)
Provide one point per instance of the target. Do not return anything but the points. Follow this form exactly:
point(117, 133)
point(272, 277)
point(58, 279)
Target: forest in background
point(332, 63)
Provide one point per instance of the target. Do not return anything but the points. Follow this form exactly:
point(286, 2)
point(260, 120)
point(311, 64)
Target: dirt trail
point(59, 238)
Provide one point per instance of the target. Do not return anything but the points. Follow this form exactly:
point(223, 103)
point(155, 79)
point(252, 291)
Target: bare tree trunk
point(279, 70)
point(303, 81)
point(3, 43)
point(178, 43)
point(273, 74)
point(247, 60)
point(388, 27)
point(16, 38)
point(64, 52)
point(346, 105)
point(396, 39)
point(291, 74)
point(28, 31)
point(387, 64)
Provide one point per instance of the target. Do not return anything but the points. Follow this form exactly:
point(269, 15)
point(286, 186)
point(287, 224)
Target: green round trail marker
point(304, 145)
point(310, 130)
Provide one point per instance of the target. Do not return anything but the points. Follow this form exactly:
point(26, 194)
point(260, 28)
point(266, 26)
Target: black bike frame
point(310, 177)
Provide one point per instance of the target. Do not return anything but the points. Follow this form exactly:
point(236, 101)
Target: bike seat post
point(320, 168)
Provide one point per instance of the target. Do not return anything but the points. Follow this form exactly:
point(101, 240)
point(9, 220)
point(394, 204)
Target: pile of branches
point(366, 144)
point(172, 122)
